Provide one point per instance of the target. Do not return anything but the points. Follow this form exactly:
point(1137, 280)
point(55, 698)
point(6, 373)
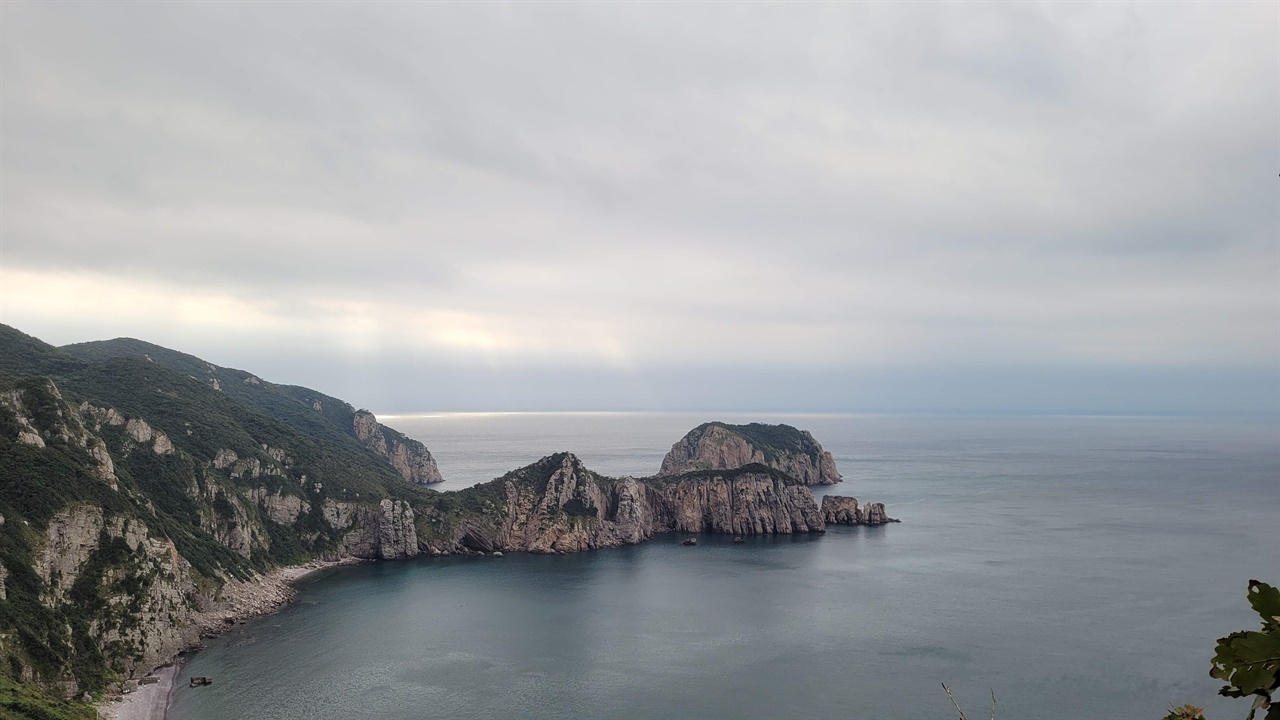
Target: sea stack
point(720, 446)
point(841, 510)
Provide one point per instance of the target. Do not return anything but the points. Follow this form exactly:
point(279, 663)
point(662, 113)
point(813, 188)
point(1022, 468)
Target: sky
point(836, 207)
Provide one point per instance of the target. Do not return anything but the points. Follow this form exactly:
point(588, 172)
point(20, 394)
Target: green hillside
point(171, 485)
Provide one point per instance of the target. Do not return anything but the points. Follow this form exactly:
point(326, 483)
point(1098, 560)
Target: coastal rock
point(557, 505)
point(874, 514)
point(409, 457)
point(386, 531)
point(840, 510)
point(719, 446)
point(160, 578)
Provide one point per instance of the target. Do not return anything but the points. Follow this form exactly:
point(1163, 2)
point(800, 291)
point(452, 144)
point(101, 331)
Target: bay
point(1078, 566)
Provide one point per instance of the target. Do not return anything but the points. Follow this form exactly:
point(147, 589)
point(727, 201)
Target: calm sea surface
point(1082, 567)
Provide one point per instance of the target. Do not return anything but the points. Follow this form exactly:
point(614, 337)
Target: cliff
point(557, 505)
point(719, 446)
point(137, 503)
point(409, 457)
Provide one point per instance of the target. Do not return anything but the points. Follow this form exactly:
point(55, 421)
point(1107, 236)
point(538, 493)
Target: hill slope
point(137, 502)
point(308, 411)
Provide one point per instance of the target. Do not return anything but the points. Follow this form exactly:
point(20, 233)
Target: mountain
point(720, 446)
point(137, 501)
point(308, 411)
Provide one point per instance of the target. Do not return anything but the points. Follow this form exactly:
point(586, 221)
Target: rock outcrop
point(408, 456)
point(557, 505)
point(386, 531)
point(841, 510)
point(718, 446)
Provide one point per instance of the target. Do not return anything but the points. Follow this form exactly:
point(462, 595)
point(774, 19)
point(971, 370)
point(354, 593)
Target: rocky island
point(148, 497)
point(719, 446)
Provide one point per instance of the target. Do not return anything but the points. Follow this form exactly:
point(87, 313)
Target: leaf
point(1265, 599)
point(1249, 662)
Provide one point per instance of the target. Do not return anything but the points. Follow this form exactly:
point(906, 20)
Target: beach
point(264, 595)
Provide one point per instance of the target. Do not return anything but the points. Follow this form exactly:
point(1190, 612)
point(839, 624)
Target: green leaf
point(1265, 599)
point(1249, 662)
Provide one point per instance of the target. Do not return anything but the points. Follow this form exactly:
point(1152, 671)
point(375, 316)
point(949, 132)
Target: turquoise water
point(1078, 566)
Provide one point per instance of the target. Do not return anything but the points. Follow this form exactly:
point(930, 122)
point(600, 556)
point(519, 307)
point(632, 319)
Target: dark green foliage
point(477, 500)
point(35, 483)
point(167, 480)
point(286, 546)
point(21, 354)
point(39, 630)
point(728, 474)
point(577, 508)
point(292, 405)
point(201, 421)
point(32, 703)
point(1249, 661)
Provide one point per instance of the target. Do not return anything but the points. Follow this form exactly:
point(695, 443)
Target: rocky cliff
point(139, 505)
point(408, 456)
point(557, 505)
point(719, 446)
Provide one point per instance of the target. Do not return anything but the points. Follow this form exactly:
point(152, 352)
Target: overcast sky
point(882, 206)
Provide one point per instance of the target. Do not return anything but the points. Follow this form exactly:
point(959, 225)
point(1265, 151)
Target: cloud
point(634, 187)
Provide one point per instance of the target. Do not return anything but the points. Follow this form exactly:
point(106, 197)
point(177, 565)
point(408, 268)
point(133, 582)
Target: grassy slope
point(18, 700)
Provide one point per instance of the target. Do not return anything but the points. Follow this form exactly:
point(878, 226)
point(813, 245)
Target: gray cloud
point(629, 187)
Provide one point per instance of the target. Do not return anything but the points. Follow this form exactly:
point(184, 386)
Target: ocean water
point(1077, 566)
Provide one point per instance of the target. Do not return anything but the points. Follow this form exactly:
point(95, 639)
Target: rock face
point(409, 457)
point(718, 446)
point(63, 427)
point(384, 532)
point(557, 505)
point(840, 510)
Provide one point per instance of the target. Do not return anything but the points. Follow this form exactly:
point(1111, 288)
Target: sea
point(1073, 567)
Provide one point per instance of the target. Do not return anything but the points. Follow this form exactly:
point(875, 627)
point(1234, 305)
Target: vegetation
point(287, 441)
point(29, 702)
point(772, 440)
point(1249, 660)
point(727, 474)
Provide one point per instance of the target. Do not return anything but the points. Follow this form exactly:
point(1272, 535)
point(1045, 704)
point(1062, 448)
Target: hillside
point(312, 413)
point(136, 500)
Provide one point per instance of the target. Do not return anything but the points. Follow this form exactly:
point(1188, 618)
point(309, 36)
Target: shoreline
point(261, 596)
